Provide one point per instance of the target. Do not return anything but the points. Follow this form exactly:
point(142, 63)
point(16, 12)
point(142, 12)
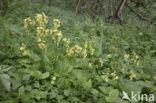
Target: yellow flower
point(24, 53)
point(85, 45)
point(109, 55)
point(106, 79)
point(23, 47)
point(126, 56)
point(56, 23)
point(91, 50)
point(53, 82)
point(59, 34)
point(52, 31)
point(53, 78)
point(39, 40)
point(138, 63)
point(132, 75)
point(115, 78)
point(112, 74)
point(42, 45)
point(84, 52)
point(67, 41)
point(39, 18)
point(78, 49)
point(32, 22)
point(52, 38)
point(71, 51)
point(101, 61)
point(45, 18)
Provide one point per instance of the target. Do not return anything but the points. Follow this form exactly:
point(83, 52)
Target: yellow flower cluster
point(42, 19)
point(28, 21)
point(126, 56)
point(92, 50)
point(136, 58)
point(67, 42)
point(106, 76)
point(58, 34)
point(84, 52)
point(70, 51)
point(42, 31)
point(53, 80)
point(88, 47)
point(42, 46)
point(132, 75)
point(78, 49)
point(109, 55)
point(23, 49)
point(56, 23)
point(115, 77)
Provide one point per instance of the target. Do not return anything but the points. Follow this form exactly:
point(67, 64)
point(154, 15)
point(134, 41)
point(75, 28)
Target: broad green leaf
point(5, 79)
point(45, 75)
point(113, 95)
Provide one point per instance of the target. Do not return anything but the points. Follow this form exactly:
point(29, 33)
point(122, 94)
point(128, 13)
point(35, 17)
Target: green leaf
point(46, 59)
point(5, 79)
point(113, 95)
point(45, 75)
point(105, 90)
point(94, 91)
point(21, 90)
point(15, 29)
point(66, 92)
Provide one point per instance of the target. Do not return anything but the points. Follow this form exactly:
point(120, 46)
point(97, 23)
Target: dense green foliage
point(52, 55)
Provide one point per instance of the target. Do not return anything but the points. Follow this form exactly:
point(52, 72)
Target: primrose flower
point(45, 18)
point(39, 18)
point(24, 53)
point(54, 78)
point(106, 79)
point(67, 41)
point(132, 75)
point(56, 23)
point(59, 34)
point(23, 47)
point(85, 45)
point(53, 82)
point(84, 52)
point(91, 50)
point(101, 61)
point(32, 22)
point(126, 56)
point(109, 55)
point(115, 78)
point(113, 74)
point(138, 62)
point(42, 45)
point(71, 51)
point(53, 38)
point(39, 40)
point(77, 48)
point(52, 31)
point(26, 21)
